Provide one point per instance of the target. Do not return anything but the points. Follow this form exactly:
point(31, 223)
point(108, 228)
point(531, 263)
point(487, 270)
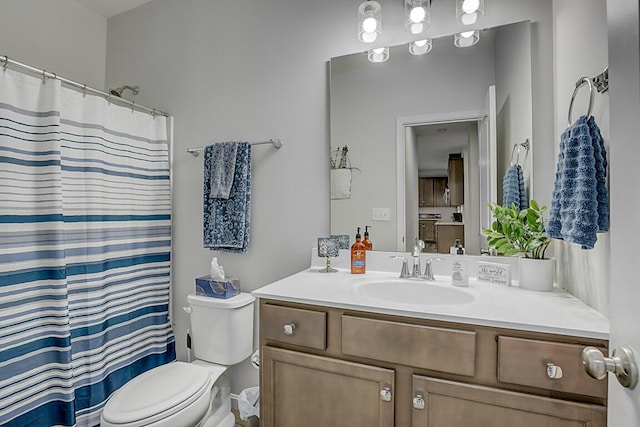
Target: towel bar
point(195, 152)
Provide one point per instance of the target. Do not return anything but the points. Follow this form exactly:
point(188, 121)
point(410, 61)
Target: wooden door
point(451, 404)
point(300, 389)
point(624, 63)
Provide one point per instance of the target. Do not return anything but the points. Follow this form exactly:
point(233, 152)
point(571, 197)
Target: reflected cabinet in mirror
point(429, 138)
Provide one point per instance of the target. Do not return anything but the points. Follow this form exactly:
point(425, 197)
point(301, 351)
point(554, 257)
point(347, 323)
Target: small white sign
point(492, 272)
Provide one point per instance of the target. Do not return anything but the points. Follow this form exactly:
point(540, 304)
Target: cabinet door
point(456, 181)
point(427, 231)
point(446, 236)
point(425, 192)
point(440, 403)
point(439, 184)
point(299, 389)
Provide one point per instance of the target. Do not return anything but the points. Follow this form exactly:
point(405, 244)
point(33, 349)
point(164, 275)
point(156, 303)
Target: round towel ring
point(517, 154)
point(579, 83)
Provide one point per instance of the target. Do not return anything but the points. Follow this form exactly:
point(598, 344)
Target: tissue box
point(206, 286)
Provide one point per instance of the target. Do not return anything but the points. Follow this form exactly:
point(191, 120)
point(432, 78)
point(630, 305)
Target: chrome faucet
point(417, 248)
point(428, 269)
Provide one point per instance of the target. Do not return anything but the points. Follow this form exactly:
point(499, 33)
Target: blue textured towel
point(223, 167)
point(513, 191)
point(227, 222)
point(580, 201)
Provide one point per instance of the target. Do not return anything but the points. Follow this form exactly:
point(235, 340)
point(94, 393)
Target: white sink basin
point(415, 292)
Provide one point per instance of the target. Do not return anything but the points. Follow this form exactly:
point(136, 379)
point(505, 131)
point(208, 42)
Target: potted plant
point(523, 233)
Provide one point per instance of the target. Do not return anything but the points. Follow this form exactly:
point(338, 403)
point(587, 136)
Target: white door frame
point(401, 124)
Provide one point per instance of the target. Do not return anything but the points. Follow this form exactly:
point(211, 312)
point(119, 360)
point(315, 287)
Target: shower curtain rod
point(5, 60)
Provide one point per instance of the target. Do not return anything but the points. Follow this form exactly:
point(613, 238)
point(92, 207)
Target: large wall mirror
point(429, 138)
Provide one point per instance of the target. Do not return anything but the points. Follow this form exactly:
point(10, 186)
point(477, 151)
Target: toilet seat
point(160, 394)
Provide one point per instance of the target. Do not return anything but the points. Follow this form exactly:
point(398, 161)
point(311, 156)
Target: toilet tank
point(222, 329)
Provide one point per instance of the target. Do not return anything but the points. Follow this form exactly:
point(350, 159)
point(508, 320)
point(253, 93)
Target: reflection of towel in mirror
point(227, 221)
point(222, 160)
point(580, 201)
point(513, 191)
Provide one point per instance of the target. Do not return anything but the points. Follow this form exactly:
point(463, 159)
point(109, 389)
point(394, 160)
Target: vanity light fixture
point(369, 21)
point(417, 15)
point(379, 54)
point(466, 38)
point(469, 11)
point(420, 47)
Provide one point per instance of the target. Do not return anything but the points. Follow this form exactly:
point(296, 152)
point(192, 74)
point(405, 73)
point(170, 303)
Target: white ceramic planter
point(536, 274)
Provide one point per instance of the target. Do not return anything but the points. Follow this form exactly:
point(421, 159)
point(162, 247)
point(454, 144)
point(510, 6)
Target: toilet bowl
point(194, 394)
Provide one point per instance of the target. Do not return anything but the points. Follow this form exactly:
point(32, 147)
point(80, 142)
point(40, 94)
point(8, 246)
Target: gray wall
point(59, 36)
point(584, 273)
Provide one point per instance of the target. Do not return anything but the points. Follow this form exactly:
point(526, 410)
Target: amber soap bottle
point(368, 244)
point(358, 256)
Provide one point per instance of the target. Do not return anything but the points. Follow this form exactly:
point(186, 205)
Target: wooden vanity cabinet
point(368, 369)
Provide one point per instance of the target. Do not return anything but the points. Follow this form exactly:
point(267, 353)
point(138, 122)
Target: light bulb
point(417, 28)
point(379, 54)
point(420, 47)
point(467, 38)
point(369, 25)
point(417, 14)
point(369, 37)
point(469, 18)
point(470, 6)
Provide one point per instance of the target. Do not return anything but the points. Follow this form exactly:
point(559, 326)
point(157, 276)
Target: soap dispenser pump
point(358, 256)
point(368, 244)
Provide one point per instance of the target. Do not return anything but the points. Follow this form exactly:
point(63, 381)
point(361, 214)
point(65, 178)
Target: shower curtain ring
point(109, 100)
point(154, 113)
point(6, 63)
point(44, 76)
point(132, 105)
point(84, 90)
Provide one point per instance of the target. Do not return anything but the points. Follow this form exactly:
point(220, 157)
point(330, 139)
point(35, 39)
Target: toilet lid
point(164, 390)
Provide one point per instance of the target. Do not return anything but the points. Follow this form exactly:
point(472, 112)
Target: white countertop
point(556, 312)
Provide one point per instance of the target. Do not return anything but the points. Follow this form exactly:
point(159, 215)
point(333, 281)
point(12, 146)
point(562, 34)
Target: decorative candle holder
point(328, 248)
point(343, 240)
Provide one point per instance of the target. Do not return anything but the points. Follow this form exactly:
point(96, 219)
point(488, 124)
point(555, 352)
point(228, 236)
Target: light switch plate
point(381, 214)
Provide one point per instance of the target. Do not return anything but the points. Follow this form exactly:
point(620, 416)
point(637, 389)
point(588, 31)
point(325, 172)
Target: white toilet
point(194, 394)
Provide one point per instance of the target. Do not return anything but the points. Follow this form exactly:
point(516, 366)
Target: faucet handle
point(428, 269)
point(405, 266)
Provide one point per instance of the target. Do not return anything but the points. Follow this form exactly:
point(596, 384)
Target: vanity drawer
point(437, 349)
point(307, 328)
point(525, 361)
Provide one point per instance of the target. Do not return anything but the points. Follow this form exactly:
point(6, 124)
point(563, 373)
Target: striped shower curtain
point(85, 242)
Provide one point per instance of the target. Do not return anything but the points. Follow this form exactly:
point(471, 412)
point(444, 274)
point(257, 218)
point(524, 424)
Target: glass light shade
point(379, 54)
point(369, 21)
point(420, 47)
point(417, 15)
point(466, 38)
point(469, 12)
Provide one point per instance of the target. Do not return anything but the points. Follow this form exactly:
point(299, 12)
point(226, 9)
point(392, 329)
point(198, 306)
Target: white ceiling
point(109, 8)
